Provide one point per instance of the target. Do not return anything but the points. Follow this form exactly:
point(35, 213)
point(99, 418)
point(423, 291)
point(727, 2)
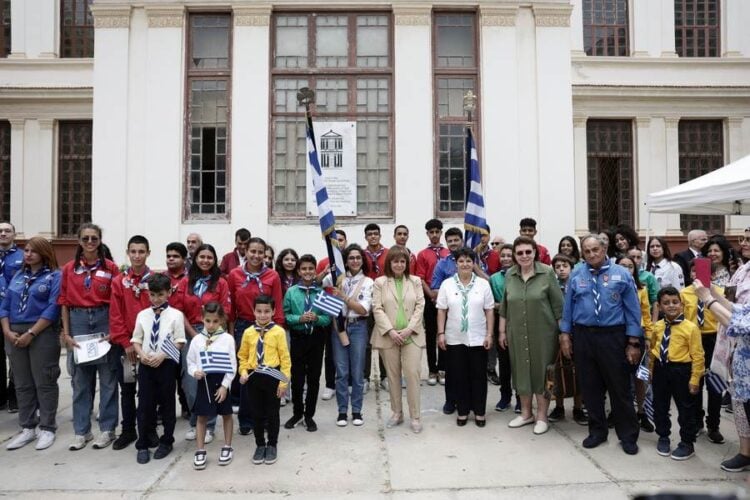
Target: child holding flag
point(265, 367)
point(212, 362)
point(159, 334)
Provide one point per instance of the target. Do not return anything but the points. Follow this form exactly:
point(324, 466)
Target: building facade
point(166, 118)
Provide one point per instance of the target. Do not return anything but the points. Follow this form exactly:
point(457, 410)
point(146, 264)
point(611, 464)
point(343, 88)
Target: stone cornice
point(552, 15)
point(167, 16)
point(643, 121)
point(412, 15)
point(498, 16)
point(246, 15)
point(579, 121)
point(111, 16)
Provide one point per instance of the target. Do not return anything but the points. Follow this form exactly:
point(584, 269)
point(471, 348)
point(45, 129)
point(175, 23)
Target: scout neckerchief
point(701, 313)
point(289, 281)
point(211, 337)
point(260, 354)
point(483, 259)
point(309, 292)
point(155, 325)
point(595, 290)
point(83, 267)
point(200, 286)
point(374, 256)
point(254, 277)
point(464, 290)
point(3, 255)
point(29, 280)
point(664, 348)
point(135, 282)
point(437, 250)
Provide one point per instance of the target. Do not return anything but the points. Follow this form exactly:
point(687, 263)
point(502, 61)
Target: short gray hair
point(593, 237)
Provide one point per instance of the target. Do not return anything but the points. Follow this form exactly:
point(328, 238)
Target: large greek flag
point(475, 220)
point(325, 213)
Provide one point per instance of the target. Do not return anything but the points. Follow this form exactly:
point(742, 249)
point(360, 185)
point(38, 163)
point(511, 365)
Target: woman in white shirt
point(465, 308)
point(661, 265)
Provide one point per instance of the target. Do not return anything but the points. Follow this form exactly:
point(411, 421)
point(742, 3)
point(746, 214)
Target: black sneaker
point(729, 408)
point(143, 456)
point(492, 378)
point(558, 413)
point(726, 400)
point(449, 407)
point(663, 447)
point(293, 422)
point(738, 463)
point(715, 436)
point(503, 404)
point(580, 416)
point(310, 425)
point(646, 425)
point(199, 460)
point(162, 451)
point(270, 456)
point(629, 447)
point(124, 440)
point(153, 440)
point(244, 431)
point(341, 420)
point(260, 455)
point(593, 441)
point(357, 419)
point(683, 451)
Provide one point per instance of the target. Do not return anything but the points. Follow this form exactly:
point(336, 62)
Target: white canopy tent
point(725, 191)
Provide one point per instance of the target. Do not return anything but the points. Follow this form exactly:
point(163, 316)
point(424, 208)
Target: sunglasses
point(87, 239)
point(521, 253)
point(495, 243)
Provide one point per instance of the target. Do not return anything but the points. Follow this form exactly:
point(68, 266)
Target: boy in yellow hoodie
point(265, 365)
point(677, 356)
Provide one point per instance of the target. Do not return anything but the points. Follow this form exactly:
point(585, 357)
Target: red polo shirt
point(127, 300)
point(373, 273)
point(192, 306)
point(73, 292)
point(229, 262)
point(426, 261)
point(243, 295)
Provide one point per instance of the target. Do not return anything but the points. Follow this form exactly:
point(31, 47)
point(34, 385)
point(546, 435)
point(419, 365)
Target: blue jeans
point(350, 362)
point(85, 321)
point(190, 385)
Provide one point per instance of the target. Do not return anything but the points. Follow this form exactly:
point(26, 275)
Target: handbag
point(560, 379)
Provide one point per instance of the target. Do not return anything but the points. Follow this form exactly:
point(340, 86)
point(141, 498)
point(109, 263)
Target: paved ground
point(444, 461)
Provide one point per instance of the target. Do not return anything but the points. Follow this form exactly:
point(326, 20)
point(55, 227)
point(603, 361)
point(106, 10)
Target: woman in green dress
point(529, 315)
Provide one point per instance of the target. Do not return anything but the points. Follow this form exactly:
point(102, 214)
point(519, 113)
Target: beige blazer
point(385, 307)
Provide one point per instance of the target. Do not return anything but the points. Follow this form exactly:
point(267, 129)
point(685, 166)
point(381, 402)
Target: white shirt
point(364, 296)
point(480, 299)
point(171, 322)
point(668, 273)
point(222, 343)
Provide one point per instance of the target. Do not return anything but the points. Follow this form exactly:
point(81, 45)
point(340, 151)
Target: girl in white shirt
point(661, 265)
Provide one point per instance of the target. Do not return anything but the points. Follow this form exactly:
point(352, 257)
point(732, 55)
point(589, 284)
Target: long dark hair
point(195, 272)
point(664, 248)
point(723, 244)
point(638, 283)
point(280, 262)
point(100, 253)
point(350, 249)
point(576, 252)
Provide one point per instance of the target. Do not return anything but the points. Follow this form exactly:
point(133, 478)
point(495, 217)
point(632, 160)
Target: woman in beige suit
point(397, 306)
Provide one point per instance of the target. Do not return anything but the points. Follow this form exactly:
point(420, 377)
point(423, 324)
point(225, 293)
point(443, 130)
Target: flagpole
point(470, 104)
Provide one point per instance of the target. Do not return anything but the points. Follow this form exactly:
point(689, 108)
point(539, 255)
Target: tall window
point(4, 170)
point(4, 28)
point(696, 28)
point(701, 149)
point(346, 58)
point(74, 174)
point(605, 27)
point(455, 72)
point(208, 82)
point(77, 30)
point(609, 148)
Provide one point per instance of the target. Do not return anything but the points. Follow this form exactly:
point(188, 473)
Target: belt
point(93, 308)
point(349, 321)
point(599, 329)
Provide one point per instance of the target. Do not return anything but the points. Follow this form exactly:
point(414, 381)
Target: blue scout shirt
point(42, 297)
point(618, 299)
point(11, 261)
point(444, 269)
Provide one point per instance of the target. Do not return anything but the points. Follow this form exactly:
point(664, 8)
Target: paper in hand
point(90, 348)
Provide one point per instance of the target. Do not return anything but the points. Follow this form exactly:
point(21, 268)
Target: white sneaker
point(209, 436)
point(328, 394)
point(432, 379)
point(46, 438)
point(22, 439)
point(190, 434)
point(79, 442)
point(103, 440)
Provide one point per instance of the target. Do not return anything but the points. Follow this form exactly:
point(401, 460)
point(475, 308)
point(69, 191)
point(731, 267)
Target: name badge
point(103, 274)
point(616, 277)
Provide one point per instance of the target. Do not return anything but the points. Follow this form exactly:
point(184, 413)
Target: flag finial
point(305, 96)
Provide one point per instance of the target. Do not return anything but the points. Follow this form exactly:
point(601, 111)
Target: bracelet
point(710, 303)
point(31, 332)
point(441, 333)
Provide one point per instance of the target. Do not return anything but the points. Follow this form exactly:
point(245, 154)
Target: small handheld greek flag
point(648, 405)
point(330, 304)
point(716, 383)
point(216, 362)
point(169, 348)
point(643, 373)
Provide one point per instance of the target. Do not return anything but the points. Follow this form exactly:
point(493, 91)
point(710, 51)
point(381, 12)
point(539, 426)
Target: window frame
point(89, 3)
point(439, 73)
point(5, 41)
point(697, 28)
point(61, 124)
point(213, 74)
point(5, 175)
point(312, 73)
point(592, 40)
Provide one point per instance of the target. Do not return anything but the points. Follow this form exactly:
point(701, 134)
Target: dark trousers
point(306, 351)
point(264, 408)
point(330, 365)
point(3, 375)
point(368, 353)
point(435, 357)
point(157, 388)
point(238, 391)
point(127, 394)
point(503, 361)
point(467, 368)
point(602, 367)
point(713, 418)
point(671, 381)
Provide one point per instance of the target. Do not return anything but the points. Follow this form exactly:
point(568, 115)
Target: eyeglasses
point(91, 239)
point(354, 257)
point(520, 253)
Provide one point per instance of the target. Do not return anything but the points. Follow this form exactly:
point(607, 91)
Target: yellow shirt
point(685, 346)
point(275, 351)
point(648, 326)
point(690, 310)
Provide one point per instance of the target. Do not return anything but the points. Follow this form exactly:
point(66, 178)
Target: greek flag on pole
point(215, 362)
point(170, 349)
point(475, 220)
point(716, 383)
point(325, 213)
point(330, 304)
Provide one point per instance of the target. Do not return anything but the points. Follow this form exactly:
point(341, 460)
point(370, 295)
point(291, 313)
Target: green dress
point(532, 310)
